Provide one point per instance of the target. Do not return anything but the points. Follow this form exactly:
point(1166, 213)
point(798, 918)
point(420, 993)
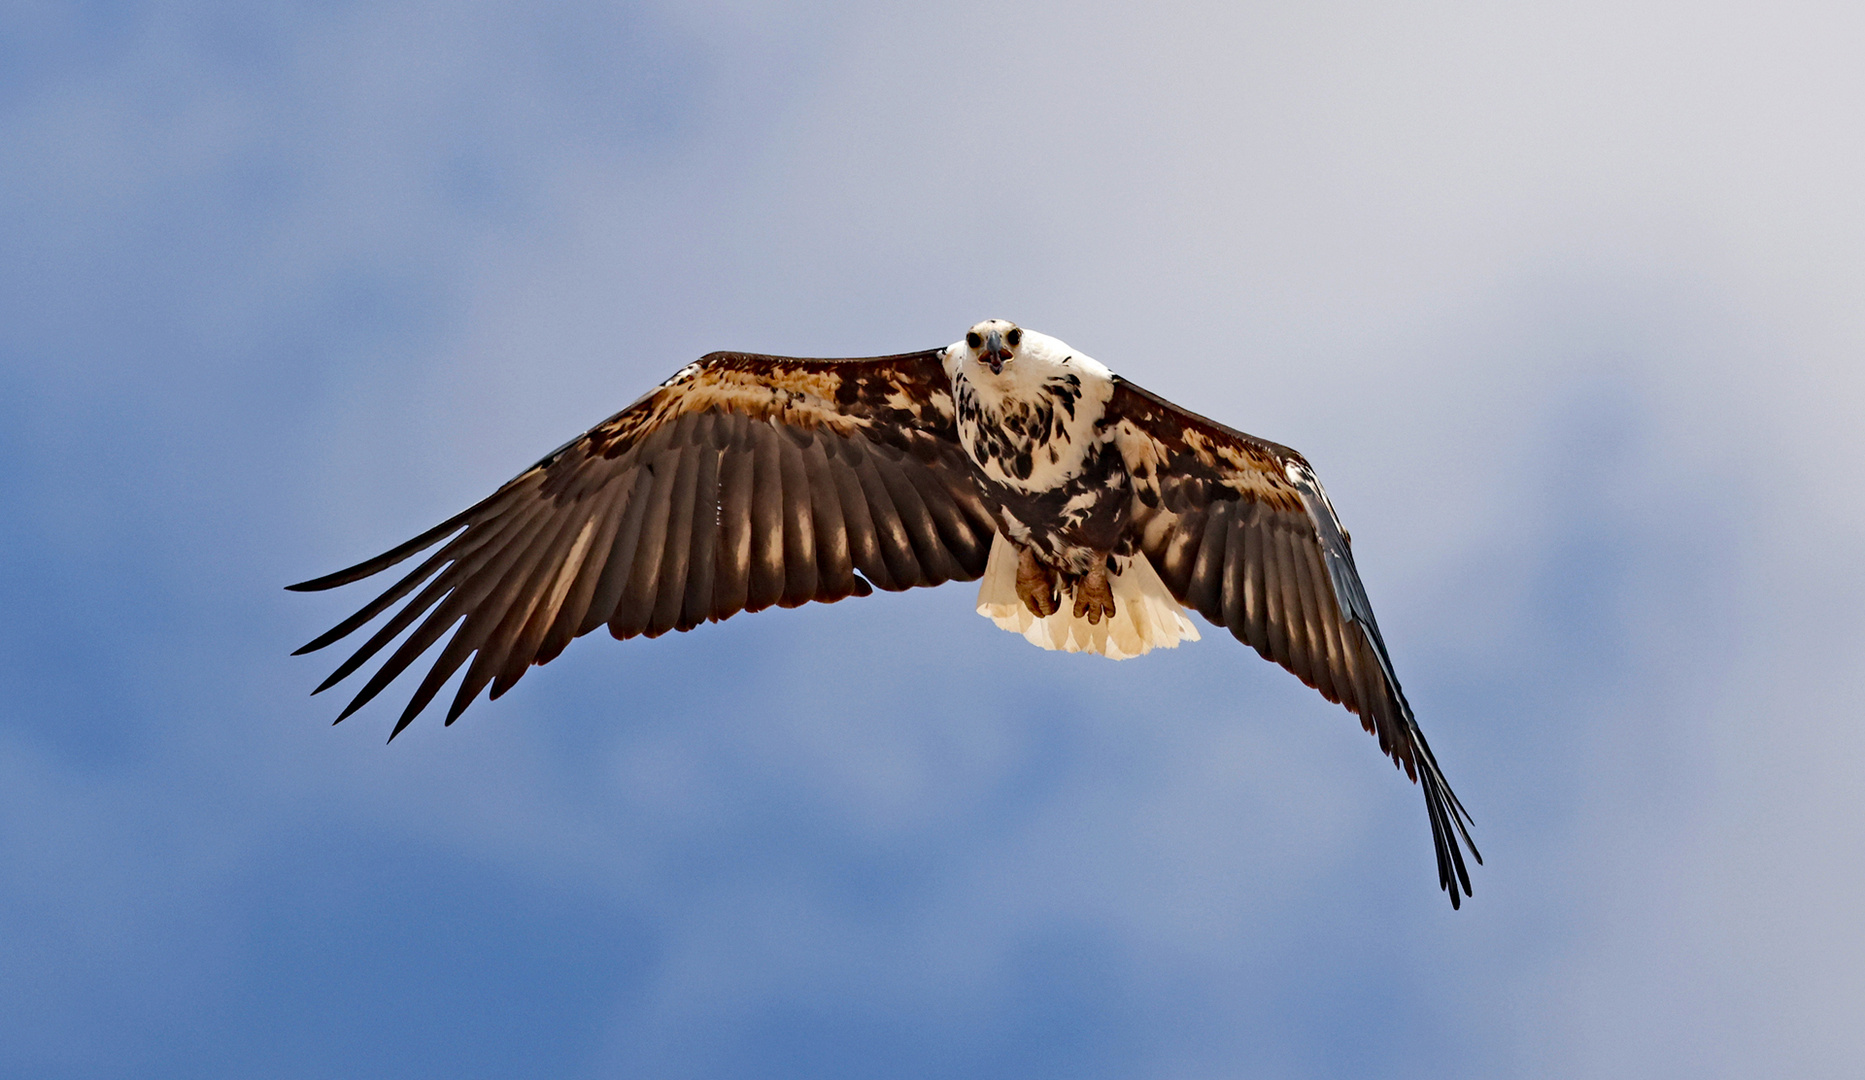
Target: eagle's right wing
point(742, 482)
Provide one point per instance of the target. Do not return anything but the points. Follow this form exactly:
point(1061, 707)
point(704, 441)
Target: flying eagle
point(1091, 509)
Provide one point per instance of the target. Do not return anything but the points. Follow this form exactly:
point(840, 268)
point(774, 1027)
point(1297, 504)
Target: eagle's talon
point(1092, 596)
point(1036, 585)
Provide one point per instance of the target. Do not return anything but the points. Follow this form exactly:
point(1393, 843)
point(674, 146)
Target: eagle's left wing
point(1239, 528)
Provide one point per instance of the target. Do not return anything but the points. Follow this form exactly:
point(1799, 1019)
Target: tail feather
point(1146, 617)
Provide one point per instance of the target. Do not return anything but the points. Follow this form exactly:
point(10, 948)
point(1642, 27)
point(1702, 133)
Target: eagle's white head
point(1001, 358)
point(993, 343)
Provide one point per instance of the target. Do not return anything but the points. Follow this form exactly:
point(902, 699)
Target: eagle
point(1093, 511)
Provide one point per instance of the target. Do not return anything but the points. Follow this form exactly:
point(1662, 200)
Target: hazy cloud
point(1564, 305)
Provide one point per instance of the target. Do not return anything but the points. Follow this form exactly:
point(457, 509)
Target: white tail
point(1146, 617)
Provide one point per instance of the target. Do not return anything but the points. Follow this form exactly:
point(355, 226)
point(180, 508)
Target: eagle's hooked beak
point(994, 352)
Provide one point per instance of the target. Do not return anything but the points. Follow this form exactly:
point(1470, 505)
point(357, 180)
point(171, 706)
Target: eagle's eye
point(972, 339)
point(1015, 335)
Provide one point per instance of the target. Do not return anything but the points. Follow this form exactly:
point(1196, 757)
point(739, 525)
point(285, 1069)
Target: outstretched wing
point(1240, 529)
point(742, 482)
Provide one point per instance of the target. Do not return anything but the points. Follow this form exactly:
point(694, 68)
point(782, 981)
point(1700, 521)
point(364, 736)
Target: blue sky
point(1564, 305)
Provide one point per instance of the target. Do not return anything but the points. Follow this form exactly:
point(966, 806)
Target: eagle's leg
point(1092, 596)
point(1036, 585)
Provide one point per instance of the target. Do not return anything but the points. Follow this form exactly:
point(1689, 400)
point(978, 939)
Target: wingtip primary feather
point(356, 703)
point(407, 717)
point(402, 551)
point(1448, 826)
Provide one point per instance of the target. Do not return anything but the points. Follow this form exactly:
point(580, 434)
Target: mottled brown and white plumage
point(747, 481)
